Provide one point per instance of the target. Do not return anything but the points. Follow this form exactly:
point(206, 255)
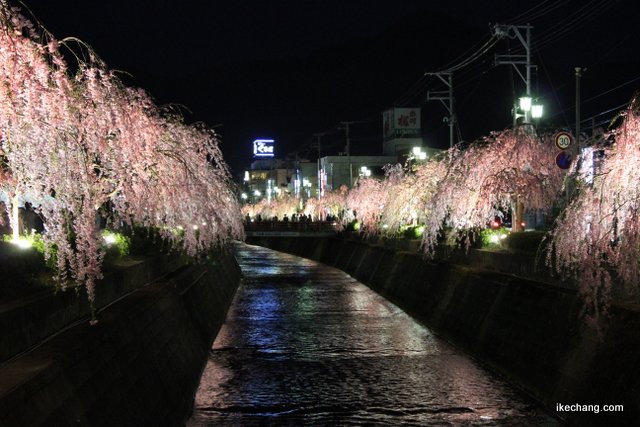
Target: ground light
point(21, 242)
point(109, 238)
point(418, 154)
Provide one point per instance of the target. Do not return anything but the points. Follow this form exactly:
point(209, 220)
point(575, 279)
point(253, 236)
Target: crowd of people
point(298, 221)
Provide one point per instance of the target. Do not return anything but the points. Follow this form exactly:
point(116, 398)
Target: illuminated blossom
point(485, 179)
point(597, 239)
point(86, 146)
point(409, 194)
point(365, 203)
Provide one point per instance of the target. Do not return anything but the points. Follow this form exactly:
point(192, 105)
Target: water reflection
point(305, 344)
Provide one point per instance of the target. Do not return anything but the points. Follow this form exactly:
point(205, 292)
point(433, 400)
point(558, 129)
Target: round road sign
point(563, 140)
point(563, 160)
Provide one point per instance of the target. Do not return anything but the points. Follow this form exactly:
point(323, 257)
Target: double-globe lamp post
point(529, 111)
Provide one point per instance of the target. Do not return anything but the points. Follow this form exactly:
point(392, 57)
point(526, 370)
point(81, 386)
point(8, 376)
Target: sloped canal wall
point(528, 331)
point(139, 365)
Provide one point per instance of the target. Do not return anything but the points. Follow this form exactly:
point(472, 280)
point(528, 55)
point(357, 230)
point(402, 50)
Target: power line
point(612, 89)
point(532, 13)
point(599, 95)
point(572, 22)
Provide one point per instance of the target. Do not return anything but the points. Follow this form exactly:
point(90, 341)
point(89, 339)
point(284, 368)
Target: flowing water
point(306, 344)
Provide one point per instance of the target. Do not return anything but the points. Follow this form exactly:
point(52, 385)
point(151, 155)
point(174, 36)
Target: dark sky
point(290, 68)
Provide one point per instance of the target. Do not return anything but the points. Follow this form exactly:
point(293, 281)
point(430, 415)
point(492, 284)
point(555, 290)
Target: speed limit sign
point(563, 140)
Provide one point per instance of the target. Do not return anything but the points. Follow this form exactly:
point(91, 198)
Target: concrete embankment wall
point(139, 365)
point(27, 320)
point(528, 331)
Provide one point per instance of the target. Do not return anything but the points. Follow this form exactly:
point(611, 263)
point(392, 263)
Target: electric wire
point(571, 22)
point(548, 10)
point(611, 90)
point(532, 14)
point(467, 62)
point(598, 95)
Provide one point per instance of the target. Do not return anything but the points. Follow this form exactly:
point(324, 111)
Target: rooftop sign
point(263, 148)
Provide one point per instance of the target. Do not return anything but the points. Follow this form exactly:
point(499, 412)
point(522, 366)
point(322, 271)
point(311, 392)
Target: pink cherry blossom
point(82, 146)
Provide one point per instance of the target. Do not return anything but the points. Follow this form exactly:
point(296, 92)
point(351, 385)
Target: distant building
point(271, 177)
point(401, 131)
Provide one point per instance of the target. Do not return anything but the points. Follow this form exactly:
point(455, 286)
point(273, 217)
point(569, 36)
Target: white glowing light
point(365, 171)
point(494, 238)
point(525, 103)
point(537, 111)
point(109, 239)
point(21, 243)
point(263, 148)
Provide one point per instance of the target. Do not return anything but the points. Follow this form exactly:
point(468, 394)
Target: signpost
point(563, 140)
point(563, 160)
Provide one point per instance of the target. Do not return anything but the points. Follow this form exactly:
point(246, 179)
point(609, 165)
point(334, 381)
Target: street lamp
point(525, 103)
point(529, 110)
point(536, 111)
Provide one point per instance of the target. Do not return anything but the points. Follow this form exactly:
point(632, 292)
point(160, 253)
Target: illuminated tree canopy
point(486, 178)
point(597, 239)
point(78, 145)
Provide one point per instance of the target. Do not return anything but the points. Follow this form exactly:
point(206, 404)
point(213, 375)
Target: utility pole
point(318, 136)
point(348, 149)
point(516, 32)
point(579, 71)
point(442, 96)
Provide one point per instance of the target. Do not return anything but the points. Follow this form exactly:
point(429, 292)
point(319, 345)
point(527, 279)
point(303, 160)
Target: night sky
point(288, 69)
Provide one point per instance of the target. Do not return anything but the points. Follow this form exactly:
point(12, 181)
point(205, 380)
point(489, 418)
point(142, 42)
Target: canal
point(306, 344)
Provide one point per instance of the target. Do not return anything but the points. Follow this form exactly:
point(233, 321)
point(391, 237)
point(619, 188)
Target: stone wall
point(528, 331)
point(27, 320)
point(139, 366)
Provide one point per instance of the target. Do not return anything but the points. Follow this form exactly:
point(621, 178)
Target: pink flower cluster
point(84, 145)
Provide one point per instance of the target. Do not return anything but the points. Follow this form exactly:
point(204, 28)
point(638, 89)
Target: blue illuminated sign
point(263, 148)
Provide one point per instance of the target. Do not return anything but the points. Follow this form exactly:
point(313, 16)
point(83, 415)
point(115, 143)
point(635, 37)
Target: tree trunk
point(517, 217)
point(15, 218)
